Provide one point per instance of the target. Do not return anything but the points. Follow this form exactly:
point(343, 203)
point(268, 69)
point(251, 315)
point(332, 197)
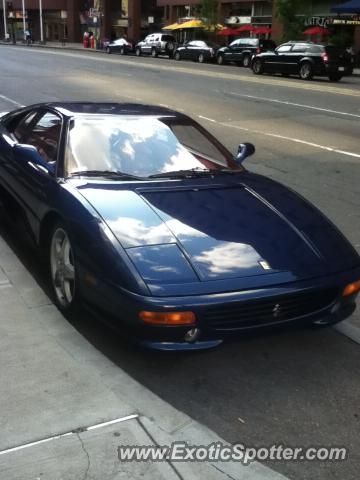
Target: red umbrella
point(316, 31)
point(227, 31)
point(244, 28)
point(258, 30)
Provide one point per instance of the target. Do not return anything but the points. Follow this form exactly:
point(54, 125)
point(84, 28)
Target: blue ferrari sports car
point(147, 219)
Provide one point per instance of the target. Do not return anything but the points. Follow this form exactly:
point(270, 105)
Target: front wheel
point(201, 58)
point(220, 60)
point(138, 52)
point(177, 56)
point(306, 71)
point(258, 67)
point(246, 61)
point(169, 48)
point(63, 269)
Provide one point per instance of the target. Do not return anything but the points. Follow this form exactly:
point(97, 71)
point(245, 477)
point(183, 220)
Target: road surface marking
point(67, 434)
point(283, 137)
point(215, 73)
point(273, 100)
point(7, 99)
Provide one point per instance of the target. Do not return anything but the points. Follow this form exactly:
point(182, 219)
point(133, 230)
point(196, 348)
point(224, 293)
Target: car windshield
point(141, 146)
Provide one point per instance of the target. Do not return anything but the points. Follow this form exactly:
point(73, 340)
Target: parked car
point(305, 59)
point(156, 44)
point(142, 215)
point(242, 50)
point(120, 45)
point(200, 50)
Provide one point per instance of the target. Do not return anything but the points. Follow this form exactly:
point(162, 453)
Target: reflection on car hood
point(222, 230)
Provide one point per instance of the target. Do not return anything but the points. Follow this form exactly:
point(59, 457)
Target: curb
point(81, 49)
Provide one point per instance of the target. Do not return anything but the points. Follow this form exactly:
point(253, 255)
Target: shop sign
point(237, 20)
point(317, 21)
point(346, 21)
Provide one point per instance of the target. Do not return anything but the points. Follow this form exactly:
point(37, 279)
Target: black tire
point(108, 50)
point(122, 51)
point(169, 48)
point(201, 58)
point(177, 56)
point(246, 61)
point(154, 53)
point(138, 52)
point(258, 67)
point(220, 60)
point(335, 77)
point(63, 269)
point(306, 71)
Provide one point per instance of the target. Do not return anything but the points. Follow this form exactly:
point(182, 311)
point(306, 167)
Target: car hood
point(205, 231)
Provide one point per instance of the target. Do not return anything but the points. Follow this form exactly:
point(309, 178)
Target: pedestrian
point(27, 37)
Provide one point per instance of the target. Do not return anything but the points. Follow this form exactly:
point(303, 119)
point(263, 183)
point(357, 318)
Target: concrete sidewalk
point(79, 46)
point(55, 385)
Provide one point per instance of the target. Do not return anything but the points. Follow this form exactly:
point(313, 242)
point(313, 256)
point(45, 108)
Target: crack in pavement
point(87, 456)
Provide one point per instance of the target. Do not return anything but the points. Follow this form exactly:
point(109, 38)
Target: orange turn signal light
point(168, 318)
point(351, 288)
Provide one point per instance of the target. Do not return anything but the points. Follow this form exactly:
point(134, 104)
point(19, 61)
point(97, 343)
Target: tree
point(291, 14)
point(209, 12)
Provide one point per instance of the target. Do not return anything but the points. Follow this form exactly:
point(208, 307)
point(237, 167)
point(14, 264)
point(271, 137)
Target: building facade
point(108, 19)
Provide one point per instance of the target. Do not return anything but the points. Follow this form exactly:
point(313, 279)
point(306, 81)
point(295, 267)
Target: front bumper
point(120, 309)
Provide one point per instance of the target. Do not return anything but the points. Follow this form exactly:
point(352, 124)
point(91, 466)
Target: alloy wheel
point(258, 67)
point(62, 268)
point(306, 71)
point(246, 61)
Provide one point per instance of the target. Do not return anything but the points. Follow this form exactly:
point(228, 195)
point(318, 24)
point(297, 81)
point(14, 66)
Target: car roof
point(294, 42)
point(112, 108)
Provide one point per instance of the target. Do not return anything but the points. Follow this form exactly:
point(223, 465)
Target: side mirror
point(31, 157)
point(245, 150)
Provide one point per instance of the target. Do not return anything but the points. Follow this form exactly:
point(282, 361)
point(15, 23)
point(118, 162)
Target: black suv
point(242, 50)
point(156, 44)
point(305, 59)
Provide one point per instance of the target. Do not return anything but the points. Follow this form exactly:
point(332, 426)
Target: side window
point(20, 131)
point(299, 48)
point(45, 136)
point(314, 49)
point(284, 48)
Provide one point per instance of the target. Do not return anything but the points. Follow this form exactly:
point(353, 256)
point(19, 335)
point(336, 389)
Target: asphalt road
point(296, 388)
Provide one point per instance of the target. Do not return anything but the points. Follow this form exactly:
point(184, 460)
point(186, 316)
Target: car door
point(189, 50)
point(232, 50)
point(278, 62)
point(148, 43)
point(294, 57)
point(32, 176)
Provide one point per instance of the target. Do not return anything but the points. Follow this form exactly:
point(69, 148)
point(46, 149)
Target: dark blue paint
point(181, 244)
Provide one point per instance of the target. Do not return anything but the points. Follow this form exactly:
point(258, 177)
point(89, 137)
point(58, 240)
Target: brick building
point(135, 18)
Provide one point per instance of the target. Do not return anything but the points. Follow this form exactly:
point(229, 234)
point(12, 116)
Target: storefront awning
point(353, 6)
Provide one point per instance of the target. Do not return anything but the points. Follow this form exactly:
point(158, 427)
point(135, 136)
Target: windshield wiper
point(193, 172)
point(105, 173)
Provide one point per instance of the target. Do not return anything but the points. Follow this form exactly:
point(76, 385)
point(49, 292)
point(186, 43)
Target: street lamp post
point(41, 22)
point(23, 14)
point(5, 23)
